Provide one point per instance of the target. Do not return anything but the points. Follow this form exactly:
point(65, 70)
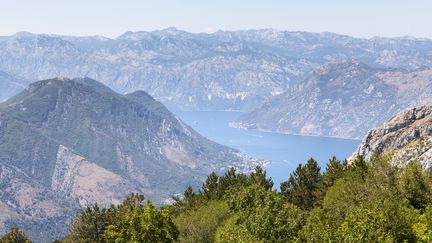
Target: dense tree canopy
point(360, 201)
point(15, 236)
point(142, 223)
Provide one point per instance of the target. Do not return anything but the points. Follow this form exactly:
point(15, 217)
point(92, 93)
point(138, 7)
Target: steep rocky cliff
point(405, 137)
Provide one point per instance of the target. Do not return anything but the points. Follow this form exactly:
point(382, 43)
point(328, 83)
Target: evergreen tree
point(259, 177)
point(188, 194)
point(90, 224)
point(189, 200)
point(231, 179)
point(303, 186)
point(415, 185)
point(358, 202)
point(15, 236)
point(363, 206)
point(359, 166)
point(334, 171)
point(211, 187)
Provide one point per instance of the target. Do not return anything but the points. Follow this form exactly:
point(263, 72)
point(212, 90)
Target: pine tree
point(259, 177)
point(188, 194)
point(90, 224)
point(303, 186)
point(211, 186)
point(334, 171)
point(414, 184)
point(15, 236)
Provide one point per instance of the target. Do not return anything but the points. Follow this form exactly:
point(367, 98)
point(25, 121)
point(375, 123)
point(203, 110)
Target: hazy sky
point(363, 18)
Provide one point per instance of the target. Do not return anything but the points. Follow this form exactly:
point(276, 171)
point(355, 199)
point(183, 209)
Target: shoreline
point(238, 125)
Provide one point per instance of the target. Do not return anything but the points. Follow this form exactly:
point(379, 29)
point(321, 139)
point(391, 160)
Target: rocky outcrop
point(406, 137)
point(30, 205)
point(87, 182)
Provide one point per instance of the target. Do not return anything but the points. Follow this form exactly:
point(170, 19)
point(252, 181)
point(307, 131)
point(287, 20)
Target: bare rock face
point(87, 182)
point(405, 137)
point(32, 206)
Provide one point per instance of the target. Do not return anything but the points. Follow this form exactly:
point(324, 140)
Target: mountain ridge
point(10, 85)
point(227, 70)
point(76, 142)
point(341, 99)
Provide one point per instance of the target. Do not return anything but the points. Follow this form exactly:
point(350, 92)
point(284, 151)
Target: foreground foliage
point(15, 236)
point(349, 202)
point(132, 221)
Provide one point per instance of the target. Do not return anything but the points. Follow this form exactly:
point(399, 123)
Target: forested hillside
point(349, 202)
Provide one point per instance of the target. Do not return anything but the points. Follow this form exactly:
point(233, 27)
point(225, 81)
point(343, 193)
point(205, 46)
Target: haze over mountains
point(66, 144)
point(10, 85)
point(342, 99)
point(225, 70)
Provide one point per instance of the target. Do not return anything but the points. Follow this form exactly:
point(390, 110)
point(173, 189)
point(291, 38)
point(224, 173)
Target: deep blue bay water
point(284, 151)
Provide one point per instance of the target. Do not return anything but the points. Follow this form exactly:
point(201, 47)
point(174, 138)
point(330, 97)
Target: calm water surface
point(284, 151)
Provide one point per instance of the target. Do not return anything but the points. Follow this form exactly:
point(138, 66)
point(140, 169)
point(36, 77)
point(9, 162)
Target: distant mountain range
point(10, 85)
point(225, 70)
point(341, 99)
point(68, 143)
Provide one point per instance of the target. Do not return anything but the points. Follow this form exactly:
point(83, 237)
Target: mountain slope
point(225, 70)
point(10, 85)
point(405, 137)
point(341, 99)
point(79, 140)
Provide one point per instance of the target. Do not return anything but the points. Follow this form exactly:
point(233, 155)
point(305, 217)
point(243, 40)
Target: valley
point(241, 99)
point(284, 152)
point(215, 121)
point(292, 78)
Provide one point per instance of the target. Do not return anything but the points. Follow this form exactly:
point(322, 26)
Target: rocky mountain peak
point(23, 34)
point(406, 137)
point(341, 79)
point(348, 66)
point(238, 69)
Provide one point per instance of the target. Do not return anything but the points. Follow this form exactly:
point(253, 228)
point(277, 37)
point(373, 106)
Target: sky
point(111, 18)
